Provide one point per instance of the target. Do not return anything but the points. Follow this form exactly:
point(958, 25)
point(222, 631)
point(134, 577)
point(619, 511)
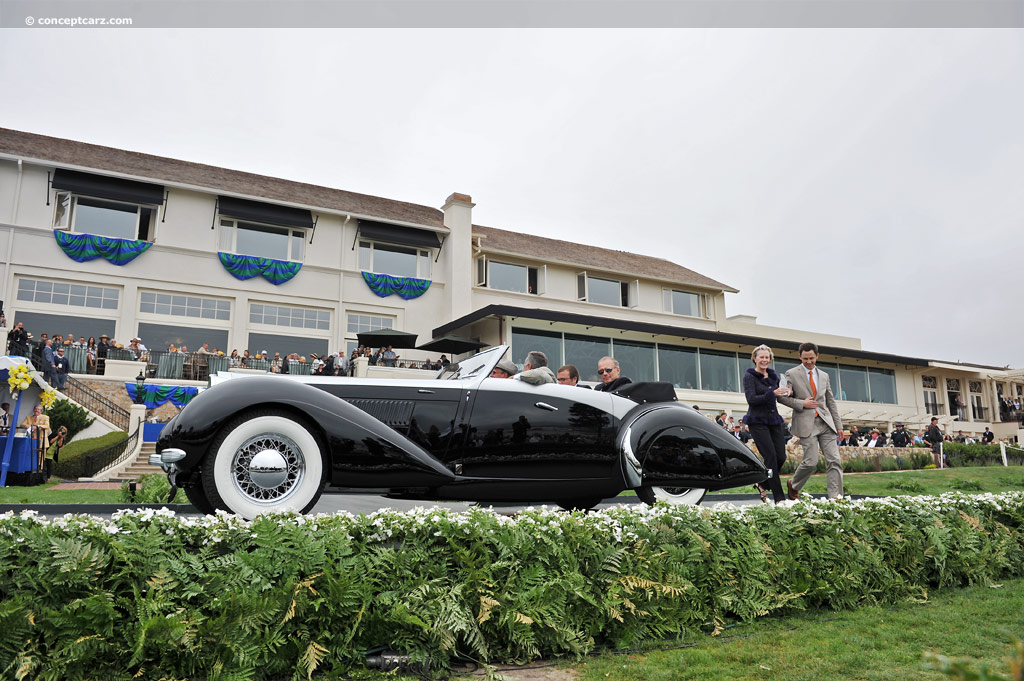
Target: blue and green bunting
point(248, 266)
point(406, 287)
point(85, 247)
point(155, 395)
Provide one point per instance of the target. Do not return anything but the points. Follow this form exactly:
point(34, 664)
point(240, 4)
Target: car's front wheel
point(684, 496)
point(263, 462)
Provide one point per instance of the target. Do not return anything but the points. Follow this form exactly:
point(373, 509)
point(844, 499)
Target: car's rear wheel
point(263, 462)
point(579, 504)
point(197, 497)
point(684, 496)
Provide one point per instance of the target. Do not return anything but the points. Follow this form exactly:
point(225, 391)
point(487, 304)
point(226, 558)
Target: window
point(548, 342)
point(678, 366)
point(784, 364)
point(62, 293)
point(399, 261)
point(287, 344)
point(161, 336)
point(607, 291)
point(173, 305)
point(88, 215)
point(361, 323)
point(585, 352)
point(683, 303)
point(636, 360)
point(294, 317)
point(38, 322)
point(264, 241)
point(929, 382)
point(853, 383)
point(718, 371)
point(508, 277)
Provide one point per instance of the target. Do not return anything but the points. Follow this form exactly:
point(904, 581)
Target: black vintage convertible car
point(267, 443)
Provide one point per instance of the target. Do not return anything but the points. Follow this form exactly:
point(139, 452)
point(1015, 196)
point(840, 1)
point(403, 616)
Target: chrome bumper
point(166, 459)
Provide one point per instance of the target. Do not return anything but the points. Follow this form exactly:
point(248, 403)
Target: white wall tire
point(264, 462)
point(682, 496)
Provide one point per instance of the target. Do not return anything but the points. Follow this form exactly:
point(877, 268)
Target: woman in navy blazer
point(761, 387)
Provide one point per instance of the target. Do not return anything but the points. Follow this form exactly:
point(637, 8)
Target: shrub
point(152, 488)
point(71, 416)
point(149, 595)
point(891, 464)
point(71, 463)
point(907, 486)
point(959, 454)
point(967, 485)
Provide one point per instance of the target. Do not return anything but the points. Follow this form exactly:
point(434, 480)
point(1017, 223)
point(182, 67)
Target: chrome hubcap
point(267, 468)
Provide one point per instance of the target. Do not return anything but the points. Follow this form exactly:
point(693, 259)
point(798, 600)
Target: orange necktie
point(814, 388)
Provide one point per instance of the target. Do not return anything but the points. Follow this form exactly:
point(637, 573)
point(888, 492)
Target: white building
point(310, 255)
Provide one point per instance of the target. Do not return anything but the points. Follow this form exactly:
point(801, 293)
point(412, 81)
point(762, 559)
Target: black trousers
point(771, 443)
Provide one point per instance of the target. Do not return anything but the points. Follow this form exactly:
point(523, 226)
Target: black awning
point(264, 212)
point(681, 332)
point(396, 234)
point(104, 187)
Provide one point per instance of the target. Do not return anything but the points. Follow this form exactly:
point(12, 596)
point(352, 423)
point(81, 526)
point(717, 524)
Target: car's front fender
point(357, 442)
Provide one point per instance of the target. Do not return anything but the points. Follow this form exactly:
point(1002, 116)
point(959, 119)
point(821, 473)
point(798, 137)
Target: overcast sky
point(867, 183)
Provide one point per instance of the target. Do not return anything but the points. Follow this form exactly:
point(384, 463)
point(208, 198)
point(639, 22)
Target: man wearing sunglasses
point(610, 373)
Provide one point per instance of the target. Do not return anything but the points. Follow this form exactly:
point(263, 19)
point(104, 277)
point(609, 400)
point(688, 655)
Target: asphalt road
point(356, 504)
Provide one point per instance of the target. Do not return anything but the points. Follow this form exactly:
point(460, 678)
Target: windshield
point(479, 365)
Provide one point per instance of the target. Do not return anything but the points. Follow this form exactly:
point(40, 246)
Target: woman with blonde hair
point(761, 387)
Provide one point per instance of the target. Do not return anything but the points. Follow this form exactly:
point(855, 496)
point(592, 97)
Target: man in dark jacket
point(933, 435)
point(17, 341)
point(610, 373)
point(900, 437)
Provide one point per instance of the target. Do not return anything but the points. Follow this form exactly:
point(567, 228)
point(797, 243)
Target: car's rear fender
point(670, 444)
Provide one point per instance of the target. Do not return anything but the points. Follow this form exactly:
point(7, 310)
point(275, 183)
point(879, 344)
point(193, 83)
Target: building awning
point(397, 234)
point(271, 213)
point(105, 187)
point(680, 332)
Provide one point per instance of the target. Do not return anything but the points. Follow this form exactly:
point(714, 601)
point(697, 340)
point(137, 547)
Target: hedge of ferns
point(148, 595)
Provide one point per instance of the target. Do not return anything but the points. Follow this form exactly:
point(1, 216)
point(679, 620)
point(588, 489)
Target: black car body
point(262, 443)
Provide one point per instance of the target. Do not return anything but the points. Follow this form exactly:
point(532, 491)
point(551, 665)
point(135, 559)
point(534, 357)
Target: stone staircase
point(141, 464)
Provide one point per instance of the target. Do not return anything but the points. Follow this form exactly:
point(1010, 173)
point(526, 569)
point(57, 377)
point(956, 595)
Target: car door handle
point(425, 392)
point(545, 406)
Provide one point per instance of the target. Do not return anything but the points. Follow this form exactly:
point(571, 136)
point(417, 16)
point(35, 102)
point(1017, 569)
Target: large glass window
point(361, 323)
point(548, 342)
point(783, 364)
point(833, 377)
point(161, 336)
point(882, 385)
point(264, 241)
point(399, 261)
point(286, 345)
point(684, 303)
point(63, 293)
point(636, 360)
point(37, 323)
point(678, 366)
point(584, 352)
point(853, 383)
point(184, 306)
point(517, 278)
point(284, 315)
point(718, 371)
point(86, 215)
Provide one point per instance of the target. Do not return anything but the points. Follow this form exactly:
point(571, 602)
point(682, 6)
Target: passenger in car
point(535, 369)
point(611, 375)
point(506, 368)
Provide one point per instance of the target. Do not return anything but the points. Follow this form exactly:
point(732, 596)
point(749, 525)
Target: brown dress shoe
point(793, 494)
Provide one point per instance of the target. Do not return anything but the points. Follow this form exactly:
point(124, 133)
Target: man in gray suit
point(815, 421)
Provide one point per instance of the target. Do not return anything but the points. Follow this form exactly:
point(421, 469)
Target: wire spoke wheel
point(268, 467)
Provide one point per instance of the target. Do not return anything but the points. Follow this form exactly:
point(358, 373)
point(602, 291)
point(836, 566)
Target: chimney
point(458, 217)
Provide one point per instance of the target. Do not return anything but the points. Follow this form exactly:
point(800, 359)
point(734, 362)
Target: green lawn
point(988, 479)
point(870, 643)
point(52, 493)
